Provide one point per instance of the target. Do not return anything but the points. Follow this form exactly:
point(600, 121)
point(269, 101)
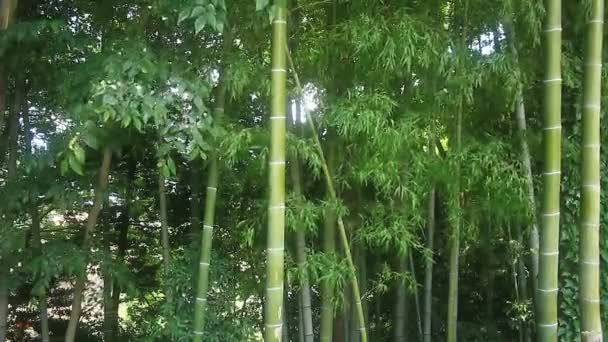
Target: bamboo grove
point(302, 170)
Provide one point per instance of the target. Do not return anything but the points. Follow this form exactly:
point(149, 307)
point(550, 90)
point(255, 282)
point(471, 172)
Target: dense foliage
point(406, 192)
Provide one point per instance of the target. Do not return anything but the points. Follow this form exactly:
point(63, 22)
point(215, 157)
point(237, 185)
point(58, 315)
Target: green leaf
point(138, 124)
point(211, 20)
point(64, 166)
point(75, 165)
point(198, 102)
point(183, 15)
point(109, 100)
point(199, 24)
point(261, 4)
point(272, 13)
point(197, 11)
point(91, 140)
point(171, 165)
point(79, 153)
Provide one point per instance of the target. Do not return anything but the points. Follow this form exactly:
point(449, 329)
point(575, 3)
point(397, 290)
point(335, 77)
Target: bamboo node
point(553, 29)
point(591, 300)
point(552, 128)
point(592, 263)
point(550, 214)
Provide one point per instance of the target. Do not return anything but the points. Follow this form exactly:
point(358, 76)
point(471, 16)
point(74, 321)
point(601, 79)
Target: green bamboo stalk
point(455, 248)
point(200, 305)
point(546, 324)
point(589, 297)
point(329, 247)
point(276, 210)
point(400, 304)
point(305, 297)
point(341, 227)
point(164, 231)
point(428, 276)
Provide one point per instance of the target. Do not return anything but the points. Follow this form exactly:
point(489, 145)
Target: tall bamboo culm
point(549, 231)
point(341, 226)
point(329, 246)
point(589, 297)
point(276, 210)
point(200, 305)
point(305, 296)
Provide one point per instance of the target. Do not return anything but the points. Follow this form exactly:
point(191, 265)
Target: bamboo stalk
point(428, 276)
point(589, 297)
point(275, 251)
point(547, 324)
point(341, 227)
point(200, 305)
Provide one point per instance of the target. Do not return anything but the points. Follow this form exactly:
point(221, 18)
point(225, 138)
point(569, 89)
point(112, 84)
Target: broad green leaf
point(183, 15)
point(261, 4)
point(197, 11)
point(109, 100)
point(199, 24)
point(79, 153)
point(75, 165)
point(171, 165)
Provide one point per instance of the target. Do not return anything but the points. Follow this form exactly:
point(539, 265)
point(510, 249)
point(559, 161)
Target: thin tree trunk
point(35, 228)
point(489, 276)
point(522, 283)
point(44, 317)
point(104, 172)
point(341, 226)
point(285, 317)
point(520, 116)
point(210, 204)
point(13, 126)
point(123, 242)
point(549, 234)
point(428, 276)
point(591, 324)
point(455, 248)
point(329, 247)
point(164, 231)
point(400, 304)
point(527, 168)
point(276, 209)
point(305, 297)
point(416, 295)
point(300, 320)
point(195, 201)
point(108, 280)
